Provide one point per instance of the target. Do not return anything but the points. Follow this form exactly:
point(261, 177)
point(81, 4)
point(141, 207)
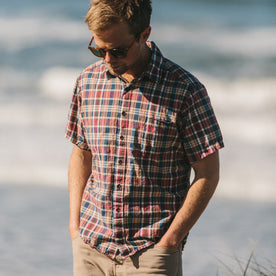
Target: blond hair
point(102, 14)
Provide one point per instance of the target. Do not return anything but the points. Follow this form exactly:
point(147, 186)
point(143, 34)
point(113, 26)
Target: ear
point(145, 35)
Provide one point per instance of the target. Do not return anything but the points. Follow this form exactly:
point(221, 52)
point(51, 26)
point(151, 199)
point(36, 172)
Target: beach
point(35, 239)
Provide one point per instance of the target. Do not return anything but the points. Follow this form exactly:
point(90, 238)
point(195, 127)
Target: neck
point(140, 66)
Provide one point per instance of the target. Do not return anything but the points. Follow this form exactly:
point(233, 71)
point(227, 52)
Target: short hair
point(102, 14)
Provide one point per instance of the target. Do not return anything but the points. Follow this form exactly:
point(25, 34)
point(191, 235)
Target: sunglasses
point(115, 52)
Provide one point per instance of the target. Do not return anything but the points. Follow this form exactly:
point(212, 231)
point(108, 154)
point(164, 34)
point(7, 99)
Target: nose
point(108, 57)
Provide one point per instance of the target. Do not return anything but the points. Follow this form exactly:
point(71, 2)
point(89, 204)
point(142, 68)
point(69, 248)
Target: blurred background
point(229, 45)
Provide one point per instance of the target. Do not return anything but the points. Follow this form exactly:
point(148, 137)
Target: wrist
point(168, 243)
point(74, 232)
point(74, 227)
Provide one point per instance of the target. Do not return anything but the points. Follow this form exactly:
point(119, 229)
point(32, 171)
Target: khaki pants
point(149, 261)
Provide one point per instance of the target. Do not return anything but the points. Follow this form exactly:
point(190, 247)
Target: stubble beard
point(117, 70)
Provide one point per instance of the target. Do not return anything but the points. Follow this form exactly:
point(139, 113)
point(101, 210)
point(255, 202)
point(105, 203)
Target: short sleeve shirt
point(143, 137)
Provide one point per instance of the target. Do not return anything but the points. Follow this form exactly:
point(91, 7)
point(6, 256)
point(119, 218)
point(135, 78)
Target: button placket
point(120, 170)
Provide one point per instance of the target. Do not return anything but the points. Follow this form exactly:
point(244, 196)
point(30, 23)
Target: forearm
point(192, 208)
point(198, 196)
point(78, 174)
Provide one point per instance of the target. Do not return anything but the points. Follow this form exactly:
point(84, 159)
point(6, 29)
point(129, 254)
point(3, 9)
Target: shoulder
point(178, 74)
point(96, 70)
point(90, 76)
point(169, 72)
point(183, 86)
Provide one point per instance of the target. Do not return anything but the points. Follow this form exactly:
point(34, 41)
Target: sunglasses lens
point(97, 52)
point(118, 53)
point(115, 52)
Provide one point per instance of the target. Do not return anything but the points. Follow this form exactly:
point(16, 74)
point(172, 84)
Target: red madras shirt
point(143, 137)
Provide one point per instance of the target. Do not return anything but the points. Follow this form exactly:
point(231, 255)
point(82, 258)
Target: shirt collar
point(154, 70)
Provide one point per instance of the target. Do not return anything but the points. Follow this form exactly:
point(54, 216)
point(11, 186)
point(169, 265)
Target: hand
point(167, 246)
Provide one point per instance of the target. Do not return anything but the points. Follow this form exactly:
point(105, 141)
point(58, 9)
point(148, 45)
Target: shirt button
point(119, 186)
point(124, 113)
point(122, 137)
point(118, 209)
point(120, 162)
point(148, 148)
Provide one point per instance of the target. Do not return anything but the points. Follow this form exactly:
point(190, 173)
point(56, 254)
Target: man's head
point(120, 30)
point(103, 14)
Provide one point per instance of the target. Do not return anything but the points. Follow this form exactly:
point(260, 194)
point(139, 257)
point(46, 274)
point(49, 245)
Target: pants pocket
point(164, 250)
point(160, 261)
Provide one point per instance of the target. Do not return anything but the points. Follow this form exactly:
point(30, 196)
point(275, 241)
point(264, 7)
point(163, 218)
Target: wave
point(257, 42)
point(29, 31)
point(58, 82)
point(247, 108)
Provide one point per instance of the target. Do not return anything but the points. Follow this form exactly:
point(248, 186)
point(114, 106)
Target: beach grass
point(252, 266)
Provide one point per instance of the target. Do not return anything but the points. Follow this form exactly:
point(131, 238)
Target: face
point(118, 36)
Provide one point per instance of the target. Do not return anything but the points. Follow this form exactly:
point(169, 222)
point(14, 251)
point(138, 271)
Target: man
point(139, 123)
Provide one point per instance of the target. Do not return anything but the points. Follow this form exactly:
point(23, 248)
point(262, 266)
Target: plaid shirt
point(143, 137)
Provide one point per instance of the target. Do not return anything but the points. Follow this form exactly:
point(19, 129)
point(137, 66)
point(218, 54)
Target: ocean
point(229, 45)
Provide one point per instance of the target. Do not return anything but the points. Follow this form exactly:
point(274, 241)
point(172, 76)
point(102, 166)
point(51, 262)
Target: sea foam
point(26, 31)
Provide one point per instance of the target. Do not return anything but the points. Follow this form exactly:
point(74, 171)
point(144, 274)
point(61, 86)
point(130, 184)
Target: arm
point(79, 172)
point(201, 191)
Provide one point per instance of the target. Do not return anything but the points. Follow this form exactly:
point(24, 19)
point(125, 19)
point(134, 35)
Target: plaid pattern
point(143, 136)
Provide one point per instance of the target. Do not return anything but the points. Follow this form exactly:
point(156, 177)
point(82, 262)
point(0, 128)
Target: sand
point(35, 241)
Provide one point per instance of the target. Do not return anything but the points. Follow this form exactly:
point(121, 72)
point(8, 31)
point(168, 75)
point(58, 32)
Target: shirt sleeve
point(201, 132)
point(75, 131)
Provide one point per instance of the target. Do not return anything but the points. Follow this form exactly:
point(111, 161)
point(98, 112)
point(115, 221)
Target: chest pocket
point(156, 137)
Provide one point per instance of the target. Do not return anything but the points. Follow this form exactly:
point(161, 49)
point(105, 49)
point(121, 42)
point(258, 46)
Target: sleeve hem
point(207, 151)
point(70, 137)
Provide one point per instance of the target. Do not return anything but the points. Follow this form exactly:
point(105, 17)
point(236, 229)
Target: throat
point(139, 67)
point(128, 77)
